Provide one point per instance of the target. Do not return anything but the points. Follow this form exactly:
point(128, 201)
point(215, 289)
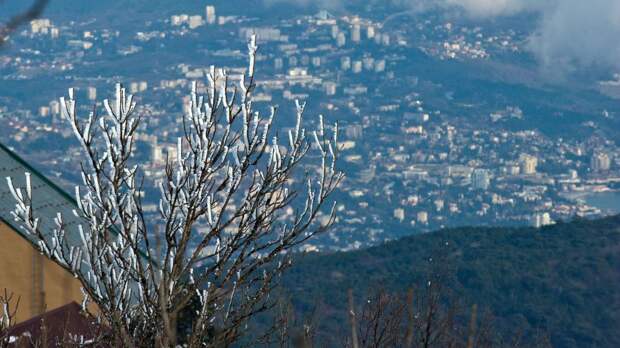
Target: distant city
point(421, 150)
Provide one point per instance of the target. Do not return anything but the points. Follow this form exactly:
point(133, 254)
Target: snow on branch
point(232, 176)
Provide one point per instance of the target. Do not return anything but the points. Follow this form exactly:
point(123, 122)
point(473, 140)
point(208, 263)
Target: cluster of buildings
point(44, 27)
point(410, 165)
point(195, 21)
point(461, 42)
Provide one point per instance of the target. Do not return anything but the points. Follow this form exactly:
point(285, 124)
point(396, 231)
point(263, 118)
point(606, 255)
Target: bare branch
point(33, 12)
point(231, 176)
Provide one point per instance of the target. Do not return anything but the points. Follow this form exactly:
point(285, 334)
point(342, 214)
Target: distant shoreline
point(608, 200)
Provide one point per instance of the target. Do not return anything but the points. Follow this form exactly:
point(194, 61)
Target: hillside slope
point(563, 280)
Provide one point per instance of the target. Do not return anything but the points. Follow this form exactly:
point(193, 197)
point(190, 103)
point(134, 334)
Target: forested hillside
point(561, 280)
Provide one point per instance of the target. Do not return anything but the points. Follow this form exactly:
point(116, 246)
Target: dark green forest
point(561, 281)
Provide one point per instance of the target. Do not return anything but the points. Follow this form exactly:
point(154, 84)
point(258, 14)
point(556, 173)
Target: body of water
point(609, 202)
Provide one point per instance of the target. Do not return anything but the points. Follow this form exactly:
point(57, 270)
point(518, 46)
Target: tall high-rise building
point(210, 14)
point(92, 93)
point(439, 204)
point(370, 32)
point(480, 179)
point(157, 154)
point(55, 107)
point(356, 33)
point(380, 65)
point(378, 38)
point(399, 214)
point(143, 86)
point(422, 217)
point(341, 40)
point(335, 31)
point(54, 33)
point(134, 87)
point(357, 66)
point(528, 164)
point(44, 111)
point(345, 63)
point(600, 162)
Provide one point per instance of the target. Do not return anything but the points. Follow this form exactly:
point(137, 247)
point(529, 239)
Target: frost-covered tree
point(254, 194)
point(8, 310)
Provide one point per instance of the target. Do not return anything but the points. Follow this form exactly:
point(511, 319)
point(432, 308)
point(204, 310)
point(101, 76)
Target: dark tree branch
point(35, 10)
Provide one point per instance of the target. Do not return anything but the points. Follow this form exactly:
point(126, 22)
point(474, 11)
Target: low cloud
point(577, 33)
point(569, 34)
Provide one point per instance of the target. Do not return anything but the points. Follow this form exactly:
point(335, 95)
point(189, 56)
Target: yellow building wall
point(40, 284)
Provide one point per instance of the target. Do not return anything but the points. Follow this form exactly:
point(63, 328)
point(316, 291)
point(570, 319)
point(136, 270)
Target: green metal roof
point(48, 200)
